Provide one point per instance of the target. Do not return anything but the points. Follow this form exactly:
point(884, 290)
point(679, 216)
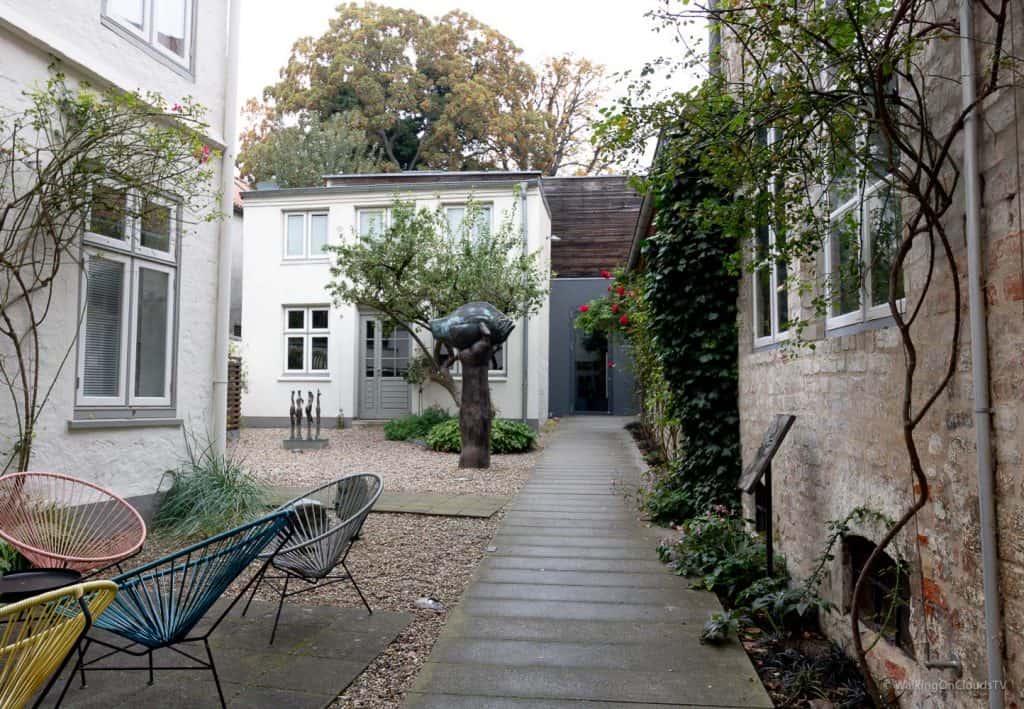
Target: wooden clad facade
point(594, 219)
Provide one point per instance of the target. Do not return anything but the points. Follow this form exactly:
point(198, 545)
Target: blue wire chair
point(159, 604)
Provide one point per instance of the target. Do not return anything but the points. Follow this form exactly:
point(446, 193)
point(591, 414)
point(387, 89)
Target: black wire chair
point(324, 523)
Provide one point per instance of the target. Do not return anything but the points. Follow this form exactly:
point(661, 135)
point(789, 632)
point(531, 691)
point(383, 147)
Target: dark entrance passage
point(591, 373)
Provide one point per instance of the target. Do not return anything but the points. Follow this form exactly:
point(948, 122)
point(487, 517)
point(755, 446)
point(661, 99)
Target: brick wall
point(846, 447)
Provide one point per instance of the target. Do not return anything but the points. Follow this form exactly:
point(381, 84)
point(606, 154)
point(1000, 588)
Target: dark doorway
point(591, 373)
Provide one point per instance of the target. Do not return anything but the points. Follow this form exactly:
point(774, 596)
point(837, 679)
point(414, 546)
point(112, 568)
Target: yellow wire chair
point(38, 634)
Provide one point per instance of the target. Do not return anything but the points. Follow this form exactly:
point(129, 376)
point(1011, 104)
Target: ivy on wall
point(679, 317)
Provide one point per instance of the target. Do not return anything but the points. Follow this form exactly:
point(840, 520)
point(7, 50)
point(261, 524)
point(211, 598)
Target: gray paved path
point(574, 609)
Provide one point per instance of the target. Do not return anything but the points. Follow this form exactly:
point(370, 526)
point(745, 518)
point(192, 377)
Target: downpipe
point(524, 186)
point(979, 364)
point(227, 185)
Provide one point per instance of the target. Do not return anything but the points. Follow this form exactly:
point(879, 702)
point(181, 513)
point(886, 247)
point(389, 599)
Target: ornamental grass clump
point(210, 493)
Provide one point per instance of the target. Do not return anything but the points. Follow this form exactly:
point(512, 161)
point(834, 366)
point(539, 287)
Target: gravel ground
point(405, 466)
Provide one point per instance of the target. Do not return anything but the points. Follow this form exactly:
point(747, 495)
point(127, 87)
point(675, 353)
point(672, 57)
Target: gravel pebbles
point(406, 466)
point(401, 557)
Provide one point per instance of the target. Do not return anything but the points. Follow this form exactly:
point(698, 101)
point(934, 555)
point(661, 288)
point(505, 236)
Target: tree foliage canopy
point(450, 93)
point(420, 268)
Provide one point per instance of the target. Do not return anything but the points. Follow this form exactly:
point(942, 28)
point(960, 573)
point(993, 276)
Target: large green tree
point(450, 93)
point(420, 268)
point(300, 155)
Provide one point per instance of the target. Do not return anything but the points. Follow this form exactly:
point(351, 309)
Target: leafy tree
point(56, 156)
point(300, 155)
point(419, 269)
point(450, 93)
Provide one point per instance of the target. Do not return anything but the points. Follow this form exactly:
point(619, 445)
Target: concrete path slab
point(572, 608)
point(317, 653)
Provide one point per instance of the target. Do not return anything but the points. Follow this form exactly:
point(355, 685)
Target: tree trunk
point(475, 414)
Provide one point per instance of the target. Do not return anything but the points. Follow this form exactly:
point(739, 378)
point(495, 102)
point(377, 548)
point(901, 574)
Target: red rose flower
point(621, 290)
point(584, 308)
point(609, 289)
point(611, 365)
point(605, 273)
point(615, 308)
point(624, 320)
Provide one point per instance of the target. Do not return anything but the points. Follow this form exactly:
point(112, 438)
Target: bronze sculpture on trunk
point(474, 330)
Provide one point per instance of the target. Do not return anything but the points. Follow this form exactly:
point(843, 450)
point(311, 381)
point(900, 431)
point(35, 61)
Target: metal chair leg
point(150, 656)
point(213, 669)
point(255, 587)
point(356, 587)
point(81, 660)
point(280, 604)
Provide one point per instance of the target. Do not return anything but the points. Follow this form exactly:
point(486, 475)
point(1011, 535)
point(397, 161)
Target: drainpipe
point(523, 187)
point(979, 365)
point(227, 186)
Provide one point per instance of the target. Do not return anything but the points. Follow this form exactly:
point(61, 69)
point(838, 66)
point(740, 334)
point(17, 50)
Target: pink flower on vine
point(615, 308)
point(584, 308)
point(624, 320)
point(204, 155)
point(176, 108)
point(621, 290)
point(605, 273)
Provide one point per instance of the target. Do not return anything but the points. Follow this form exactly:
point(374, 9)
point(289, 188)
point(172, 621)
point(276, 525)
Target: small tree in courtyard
point(418, 268)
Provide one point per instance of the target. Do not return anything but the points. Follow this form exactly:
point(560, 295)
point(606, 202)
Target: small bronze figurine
point(318, 413)
point(298, 415)
point(309, 418)
point(291, 416)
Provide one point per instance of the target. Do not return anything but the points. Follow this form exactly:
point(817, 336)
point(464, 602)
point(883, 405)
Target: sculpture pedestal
point(300, 444)
point(475, 412)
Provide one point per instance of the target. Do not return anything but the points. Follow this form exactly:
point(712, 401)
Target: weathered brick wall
point(846, 448)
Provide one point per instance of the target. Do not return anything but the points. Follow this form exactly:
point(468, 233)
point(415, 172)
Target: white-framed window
point(305, 235)
point(864, 230)
point(865, 220)
point(165, 25)
point(371, 221)
point(307, 340)
point(497, 368)
point(129, 267)
point(770, 278)
point(456, 215)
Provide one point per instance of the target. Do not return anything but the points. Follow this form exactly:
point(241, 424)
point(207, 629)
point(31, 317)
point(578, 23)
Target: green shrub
point(210, 493)
point(506, 437)
point(415, 426)
point(719, 553)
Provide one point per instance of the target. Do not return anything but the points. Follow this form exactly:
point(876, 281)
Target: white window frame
point(133, 399)
point(88, 255)
point(307, 235)
point(307, 332)
point(860, 205)
point(775, 335)
point(130, 252)
point(456, 367)
point(488, 206)
point(385, 218)
point(147, 34)
point(172, 242)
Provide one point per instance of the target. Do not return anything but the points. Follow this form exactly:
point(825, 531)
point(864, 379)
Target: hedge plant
point(415, 426)
point(506, 437)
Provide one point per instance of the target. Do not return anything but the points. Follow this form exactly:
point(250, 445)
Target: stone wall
point(846, 448)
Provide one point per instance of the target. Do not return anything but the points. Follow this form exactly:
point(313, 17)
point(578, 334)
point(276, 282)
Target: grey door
point(384, 361)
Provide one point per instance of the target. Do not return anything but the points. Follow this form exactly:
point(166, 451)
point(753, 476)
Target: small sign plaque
point(773, 438)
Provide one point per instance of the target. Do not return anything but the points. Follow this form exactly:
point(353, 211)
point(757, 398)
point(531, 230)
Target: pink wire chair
point(57, 521)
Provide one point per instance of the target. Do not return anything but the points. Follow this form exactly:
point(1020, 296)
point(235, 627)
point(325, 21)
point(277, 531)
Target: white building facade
point(296, 339)
point(119, 421)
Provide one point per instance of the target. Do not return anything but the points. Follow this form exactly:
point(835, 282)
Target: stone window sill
point(104, 424)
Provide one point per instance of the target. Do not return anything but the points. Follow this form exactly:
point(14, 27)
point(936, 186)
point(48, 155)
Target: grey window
point(164, 25)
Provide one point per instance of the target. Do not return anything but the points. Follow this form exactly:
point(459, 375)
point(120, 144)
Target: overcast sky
point(615, 34)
